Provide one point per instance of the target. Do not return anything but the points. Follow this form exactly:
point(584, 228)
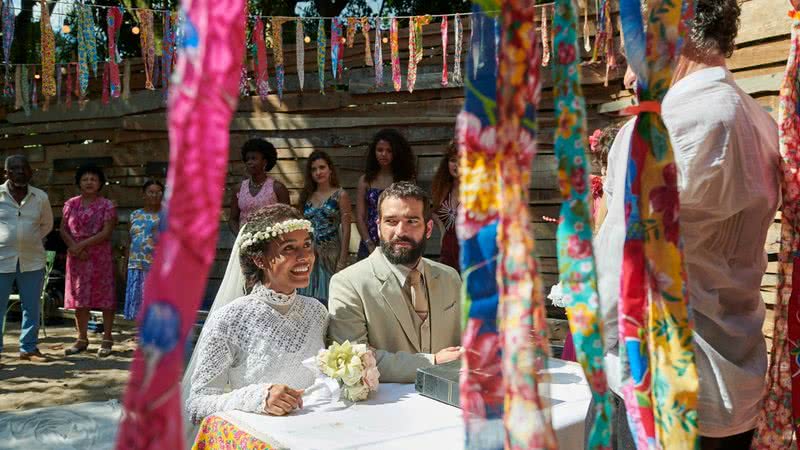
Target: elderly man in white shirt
point(25, 220)
point(726, 151)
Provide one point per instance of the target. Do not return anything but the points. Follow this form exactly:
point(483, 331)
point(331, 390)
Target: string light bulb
point(385, 40)
point(63, 70)
point(37, 76)
point(65, 29)
point(135, 30)
point(307, 39)
point(343, 40)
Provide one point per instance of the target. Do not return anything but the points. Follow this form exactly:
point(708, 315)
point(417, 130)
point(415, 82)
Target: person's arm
point(361, 214)
point(348, 323)
point(45, 218)
point(233, 217)
point(346, 211)
point(102, 236)
point(281, 192)
point(63, 229)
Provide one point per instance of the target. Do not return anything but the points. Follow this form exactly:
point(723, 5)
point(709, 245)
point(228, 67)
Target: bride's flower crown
point(287, 226)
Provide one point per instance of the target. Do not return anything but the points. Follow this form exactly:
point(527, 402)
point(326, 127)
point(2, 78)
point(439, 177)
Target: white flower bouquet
point(353, 366)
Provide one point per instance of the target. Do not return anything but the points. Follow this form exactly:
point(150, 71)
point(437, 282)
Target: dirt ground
point(63, 380)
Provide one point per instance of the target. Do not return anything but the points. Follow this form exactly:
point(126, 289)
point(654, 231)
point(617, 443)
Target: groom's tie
point(418, 298)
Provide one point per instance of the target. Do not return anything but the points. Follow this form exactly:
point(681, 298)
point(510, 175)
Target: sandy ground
point(63, 380)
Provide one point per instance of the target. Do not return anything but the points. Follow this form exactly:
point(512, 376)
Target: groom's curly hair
point(260, 220)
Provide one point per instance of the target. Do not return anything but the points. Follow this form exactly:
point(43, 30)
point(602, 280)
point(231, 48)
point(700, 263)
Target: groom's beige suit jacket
point(367, 306)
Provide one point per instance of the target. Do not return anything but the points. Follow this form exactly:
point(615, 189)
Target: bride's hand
point(283, 400)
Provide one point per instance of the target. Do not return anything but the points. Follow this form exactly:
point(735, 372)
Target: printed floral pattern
point(218, 434)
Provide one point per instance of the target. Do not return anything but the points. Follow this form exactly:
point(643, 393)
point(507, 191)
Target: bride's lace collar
point(273, 298)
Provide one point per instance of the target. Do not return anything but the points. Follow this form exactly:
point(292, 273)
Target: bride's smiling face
point(288, 262)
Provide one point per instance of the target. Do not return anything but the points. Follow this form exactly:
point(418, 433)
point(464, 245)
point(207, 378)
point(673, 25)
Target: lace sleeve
point(216, 355)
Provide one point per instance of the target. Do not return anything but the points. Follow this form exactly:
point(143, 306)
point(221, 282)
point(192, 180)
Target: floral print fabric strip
point(395, 55)
point(781, 404)
point(321, 49)
point(217, 433)
point(659, 379)
point(577, 272)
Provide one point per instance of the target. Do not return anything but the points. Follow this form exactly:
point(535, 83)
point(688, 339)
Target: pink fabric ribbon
point(114, 25)
point(443, 28)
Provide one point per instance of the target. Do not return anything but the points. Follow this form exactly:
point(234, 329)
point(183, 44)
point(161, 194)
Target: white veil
point(231, 288)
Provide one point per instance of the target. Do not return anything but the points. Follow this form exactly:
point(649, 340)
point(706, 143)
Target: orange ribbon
point(794, 14)
point(649, 106)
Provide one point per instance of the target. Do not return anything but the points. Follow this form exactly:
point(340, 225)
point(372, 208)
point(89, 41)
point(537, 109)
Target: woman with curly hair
point(389, 159)
point(445, 205)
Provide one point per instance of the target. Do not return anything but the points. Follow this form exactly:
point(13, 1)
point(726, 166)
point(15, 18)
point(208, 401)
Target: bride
point(249, 354)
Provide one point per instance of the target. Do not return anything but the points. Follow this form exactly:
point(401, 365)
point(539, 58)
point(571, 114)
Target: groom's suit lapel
point(392, 294)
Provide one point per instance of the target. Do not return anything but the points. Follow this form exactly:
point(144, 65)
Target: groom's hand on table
point(282, 400)
point(446, 355)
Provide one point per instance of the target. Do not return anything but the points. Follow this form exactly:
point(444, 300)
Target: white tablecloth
point(397, 417)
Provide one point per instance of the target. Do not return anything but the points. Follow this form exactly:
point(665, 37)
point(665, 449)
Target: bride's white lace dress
point(248, 345)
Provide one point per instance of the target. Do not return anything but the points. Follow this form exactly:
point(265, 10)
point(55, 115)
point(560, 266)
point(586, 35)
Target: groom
point(403, 305)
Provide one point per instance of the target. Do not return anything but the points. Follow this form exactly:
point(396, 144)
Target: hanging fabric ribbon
point(576, 267)
point(18, 87)
point(26, 90)
point(781, 405)
point(277, 51)
point(351, 31)
point(365, 32)
point(655, 333)
point(476, 50)
point(77, 86)
point(395, 55)
point(68, 89)
point(106, 97)
point(299, 46)
point(34, 96)
point(168, 45)
point(200, 108)
point(378, 54)
point(321, 49)
point(415, 48)
point(8, 39)
point(87, 47)
point(458, 29)
point(523, 319)
point(336, 42)
point(261, 66)
point(443, 29)
point(244, 86)
point(147, 41)
point(114, 25)
point(48, 54)
point(546, 37)
point(481, 378)
point(586, 43)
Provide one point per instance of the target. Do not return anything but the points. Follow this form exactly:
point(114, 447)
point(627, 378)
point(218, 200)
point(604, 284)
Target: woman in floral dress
point(144, 227)
point(86, 228)
point(445, 205)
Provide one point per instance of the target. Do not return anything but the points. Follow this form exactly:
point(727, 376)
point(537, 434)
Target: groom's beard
point(401, 255)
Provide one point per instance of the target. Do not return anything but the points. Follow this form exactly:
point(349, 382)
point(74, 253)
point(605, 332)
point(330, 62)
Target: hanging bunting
point(415, 48)
point(351, 31)
point(576, 267)
point(299, 45)
point(523, 318)
point(26, 90)
point(48, 54)
point(18, 87)
point(378, 55)
point(336, 42)
point(147, 41)
point(365, 31)
point(244, 87)
point(87, 47)
point(586, 43)
point(481, 382)
point(478, 49)
point(261, 65)
point(34, 96)
point(443, 29)
point(546, 37)
point(199, 114)
point(106, 97)
point(458, 29)
point(168, 45)
point(114, 25)
point(781, 404)
point(68, 89)
point(395, 55)
point(321, 49)
point(8, 39)
point(277, 51)
point(655, 332)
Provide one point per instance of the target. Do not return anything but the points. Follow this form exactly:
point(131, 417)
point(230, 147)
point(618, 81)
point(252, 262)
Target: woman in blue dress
point(328, 208)
point(144, 227)
point(389, 160)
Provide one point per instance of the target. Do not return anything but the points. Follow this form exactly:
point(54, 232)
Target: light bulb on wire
point(307, 39)
point(37, 76)
point(385, 40)
point(135, 30)
point(65, 29)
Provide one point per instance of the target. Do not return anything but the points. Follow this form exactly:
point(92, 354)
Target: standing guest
point(405, 306)
point(390, 159)
point(445, 205)
point(144, 227)
point(258, 189)
point(86, 228)
point(25, 220)
point(727, 167)
point(327, 206)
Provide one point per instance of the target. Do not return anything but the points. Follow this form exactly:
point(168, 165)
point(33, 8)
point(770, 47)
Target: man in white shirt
point(25, 220)
point(726, 151)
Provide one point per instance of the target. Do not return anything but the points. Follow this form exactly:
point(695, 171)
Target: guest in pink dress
point(258, 189)
point(86, 227)
point(446, 204)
